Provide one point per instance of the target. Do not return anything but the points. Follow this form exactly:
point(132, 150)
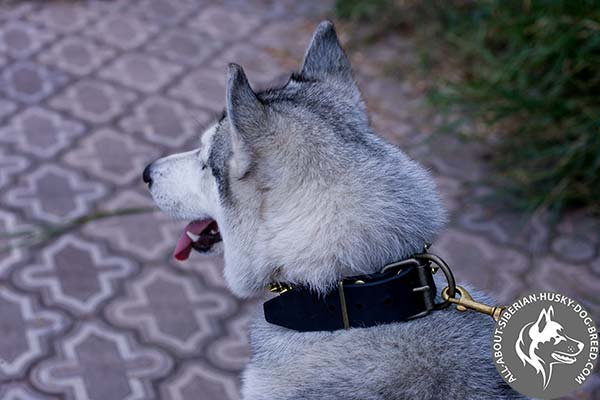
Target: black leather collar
point(402, 291)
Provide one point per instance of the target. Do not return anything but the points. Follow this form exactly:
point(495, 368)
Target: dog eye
point(557, 339)
point(204, 166)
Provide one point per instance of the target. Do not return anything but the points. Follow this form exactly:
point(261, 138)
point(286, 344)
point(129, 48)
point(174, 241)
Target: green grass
point(531, 71)
point(360, 10)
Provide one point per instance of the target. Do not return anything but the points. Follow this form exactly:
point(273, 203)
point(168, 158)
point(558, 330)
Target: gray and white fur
point(304, 192)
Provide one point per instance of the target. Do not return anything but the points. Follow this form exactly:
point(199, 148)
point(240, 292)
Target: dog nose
point(147, 175)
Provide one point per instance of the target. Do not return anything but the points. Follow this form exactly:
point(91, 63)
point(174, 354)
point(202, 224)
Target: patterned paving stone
point(396, 131)
point(141, 72)
point(185, 46)
point(451, 191)
point(262, 67)
point(96, 361)
point(457, 158)
point(61, 16)
point(29, 82)
point(203, 87)
point(11, 165)
point(197, 377)
point(574, 249)
point(281, 9)
point(21, 40)
point(208, 268)
point(165, 121)
point(530, 233)
point(111, 155)
point(109, 7)
point(75, 273)
point(595, 265)
point(166, 12)
point(90, 90)
point(383, 94)
point(231, 351)
point(581, 224)
point(26, 328)
point(149, 304)
point(13, 9)
point(41, 132)
point(576, 281)
point(55, 194)
point(225, 23)
point(470, 255)
point(122, 31)
point(9, 250)
point(76, 55)
point(93, 100)
point(393, 56)
point(20, 391)
point(148, 236)
point(6, 106)
point(287, 37)
point(315, 9)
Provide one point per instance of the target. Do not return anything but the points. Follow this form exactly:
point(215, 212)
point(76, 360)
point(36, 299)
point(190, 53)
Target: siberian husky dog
point(293, 185)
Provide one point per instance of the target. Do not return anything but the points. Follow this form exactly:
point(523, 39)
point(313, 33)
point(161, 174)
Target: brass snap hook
point(465, 302)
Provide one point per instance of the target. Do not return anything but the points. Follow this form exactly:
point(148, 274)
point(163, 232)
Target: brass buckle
point(279, 288)
point(417, 261)
point(440, 264)
point(400, 265)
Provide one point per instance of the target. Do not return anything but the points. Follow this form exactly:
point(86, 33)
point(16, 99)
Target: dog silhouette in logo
point(543, 344)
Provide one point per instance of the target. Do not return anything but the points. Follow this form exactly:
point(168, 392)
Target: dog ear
point(246, 115)
point(544, 318)
point(324, 56)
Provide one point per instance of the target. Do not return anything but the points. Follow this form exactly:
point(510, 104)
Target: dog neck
point(401, 291)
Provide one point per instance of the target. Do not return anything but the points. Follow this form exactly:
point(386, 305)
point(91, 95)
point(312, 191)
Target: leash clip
point(465, 302)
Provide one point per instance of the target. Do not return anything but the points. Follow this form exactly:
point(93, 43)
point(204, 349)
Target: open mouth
point(200, 235)
point(563, 358)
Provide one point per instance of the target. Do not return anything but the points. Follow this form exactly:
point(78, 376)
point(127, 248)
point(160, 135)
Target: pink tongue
point(184, 244)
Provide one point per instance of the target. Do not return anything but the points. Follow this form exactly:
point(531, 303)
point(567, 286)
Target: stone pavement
point(90, 91)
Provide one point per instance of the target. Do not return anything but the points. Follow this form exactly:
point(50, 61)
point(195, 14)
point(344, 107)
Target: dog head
point(543, 344)
point(293, 185)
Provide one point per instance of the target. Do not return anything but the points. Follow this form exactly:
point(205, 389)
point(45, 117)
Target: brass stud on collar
point(280, 288)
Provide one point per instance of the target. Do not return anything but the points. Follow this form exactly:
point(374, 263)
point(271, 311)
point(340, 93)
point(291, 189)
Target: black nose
point(146, 175)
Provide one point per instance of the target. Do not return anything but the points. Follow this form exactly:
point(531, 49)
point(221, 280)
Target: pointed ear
point(246, 115)
point(550, 313)
point(324, 55)
point(543, 319)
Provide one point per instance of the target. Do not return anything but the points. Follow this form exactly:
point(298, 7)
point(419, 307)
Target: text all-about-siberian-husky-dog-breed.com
point(294, 187)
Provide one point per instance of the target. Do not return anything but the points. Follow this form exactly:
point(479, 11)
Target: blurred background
point(499, 99)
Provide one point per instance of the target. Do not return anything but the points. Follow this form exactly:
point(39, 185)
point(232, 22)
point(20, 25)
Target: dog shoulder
point(417, 359)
